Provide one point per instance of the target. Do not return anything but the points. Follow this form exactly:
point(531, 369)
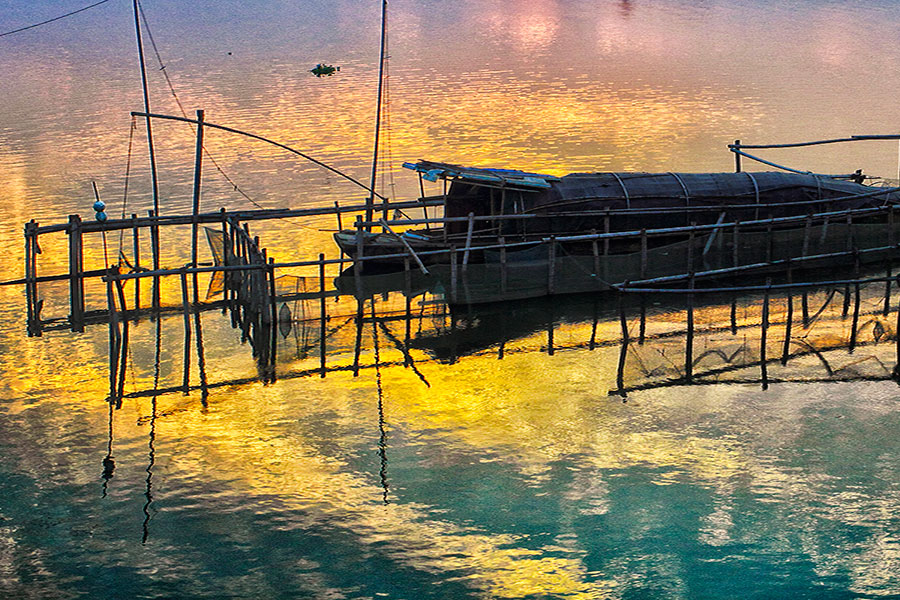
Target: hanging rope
point(74, 12)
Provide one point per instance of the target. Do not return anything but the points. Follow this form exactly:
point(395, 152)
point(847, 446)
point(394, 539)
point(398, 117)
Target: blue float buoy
point(99, 206)
point(101, 216)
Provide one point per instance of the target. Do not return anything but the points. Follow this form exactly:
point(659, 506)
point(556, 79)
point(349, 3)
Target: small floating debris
point(322, 69)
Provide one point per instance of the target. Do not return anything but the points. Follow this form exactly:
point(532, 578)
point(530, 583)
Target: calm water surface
point(467, 477)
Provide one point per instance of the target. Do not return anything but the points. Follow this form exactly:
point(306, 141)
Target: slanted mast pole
point(370, 201)
point(153, 177)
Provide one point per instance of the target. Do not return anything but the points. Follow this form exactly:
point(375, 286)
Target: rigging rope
point(69, 14)
point(162, 67)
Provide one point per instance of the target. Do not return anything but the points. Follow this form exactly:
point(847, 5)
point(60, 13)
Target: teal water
point(470, 476)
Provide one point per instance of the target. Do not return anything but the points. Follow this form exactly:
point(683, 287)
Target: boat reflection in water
point(766, 333)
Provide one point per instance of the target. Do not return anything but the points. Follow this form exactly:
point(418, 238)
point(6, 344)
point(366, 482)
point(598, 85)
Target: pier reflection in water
point(767, 333)
point(643, 341)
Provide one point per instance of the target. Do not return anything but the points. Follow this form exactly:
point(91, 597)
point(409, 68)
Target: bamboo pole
point(381, 60)
point(644, 253)
point(469, 230)
point(623, 352)
point(407, 294)
point(789, 320)
point(854, 324)
point(551, 326)
point(113, 338)
point(689, 342)
point(642, 330)
point(195, 212)
point(406, 245)
point(453, 274)
point(764, 375)
point(76, 279)
point(154, 246)
point(734, 314)
point(136, 251)
point(322, 316)
point(273, 320)
point(736, 245)
point(186, 308)
point(504, 270)
point(153, 175)
point(29, 277)
point(201, 359)
point(123, 340)
point(551, 266)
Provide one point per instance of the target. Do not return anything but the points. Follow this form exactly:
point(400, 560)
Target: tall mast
point(370, 201)
point(140, 45)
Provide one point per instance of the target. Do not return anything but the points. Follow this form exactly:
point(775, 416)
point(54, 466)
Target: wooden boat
point(485, 209)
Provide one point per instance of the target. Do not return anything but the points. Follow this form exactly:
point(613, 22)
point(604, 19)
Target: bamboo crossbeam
point(586, 237)
point(794, 285)
point(852, 138)
point(216, 217)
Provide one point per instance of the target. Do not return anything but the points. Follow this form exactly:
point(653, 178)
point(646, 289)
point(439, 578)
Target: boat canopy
point(507, 178)
point(649, 198)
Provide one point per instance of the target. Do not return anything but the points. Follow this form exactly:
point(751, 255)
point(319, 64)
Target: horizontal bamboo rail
point(216, 217)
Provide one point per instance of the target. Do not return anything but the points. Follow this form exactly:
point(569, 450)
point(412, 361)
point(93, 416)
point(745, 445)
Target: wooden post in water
point(690, 250)
point(471, 227)
point(606, 229)
point(360, 246)
point(887, 290)
point(595, 251)
point(503, 267)
point(734, 314)
point(357, 347)
point(337, 213)
point(76, 278)
point(736, 245)
point(113, 319)
point(642, 330)
point(551, 327)
point(789, 319)
point(623, 352)
point(154, 244)
point(273, 318)
point(136, 251)
point(854, 324)
point(407, 295)
point(123, 339)
point(737, 157)
point(551, 265)
point(29, 278)
point(689, 343)
point(195, 206)
point(896, 373)
point(806, 233)
point(643, 253)
point(186, 308)
point(322, 315)
point(763, 367)
point(849, 232)
point(453, 274)
point(890, 262)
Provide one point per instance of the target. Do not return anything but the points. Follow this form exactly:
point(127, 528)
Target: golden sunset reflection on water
point(461, 474)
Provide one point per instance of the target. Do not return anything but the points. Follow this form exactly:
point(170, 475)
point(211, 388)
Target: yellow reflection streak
point(237, 445)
